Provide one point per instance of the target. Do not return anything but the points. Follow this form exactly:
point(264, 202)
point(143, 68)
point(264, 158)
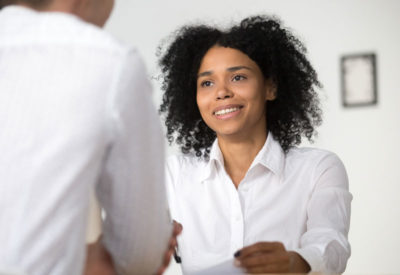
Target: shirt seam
point(113, 115)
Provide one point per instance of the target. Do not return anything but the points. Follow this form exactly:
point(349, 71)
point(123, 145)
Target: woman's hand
point(171, 248)
point(270, 257)
point(98, 260)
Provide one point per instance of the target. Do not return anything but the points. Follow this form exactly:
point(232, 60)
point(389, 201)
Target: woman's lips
point(227, 111)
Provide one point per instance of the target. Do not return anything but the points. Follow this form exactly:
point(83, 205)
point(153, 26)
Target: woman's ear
point(270, 89)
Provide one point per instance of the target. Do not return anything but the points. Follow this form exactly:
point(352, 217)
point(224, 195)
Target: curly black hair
point(281, 57)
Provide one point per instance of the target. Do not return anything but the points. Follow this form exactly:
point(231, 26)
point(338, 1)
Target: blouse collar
point(271, 156)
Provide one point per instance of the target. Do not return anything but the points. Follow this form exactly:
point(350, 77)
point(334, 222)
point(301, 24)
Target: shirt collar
point(216, 159)
point(270, 156)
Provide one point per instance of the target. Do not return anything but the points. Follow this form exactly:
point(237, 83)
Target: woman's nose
point(223, 92)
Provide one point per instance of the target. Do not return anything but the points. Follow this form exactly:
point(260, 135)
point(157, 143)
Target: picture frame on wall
point(359, 80)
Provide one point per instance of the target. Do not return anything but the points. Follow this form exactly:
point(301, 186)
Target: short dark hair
point(33, 3)
point(4, 3)
point(281, 57)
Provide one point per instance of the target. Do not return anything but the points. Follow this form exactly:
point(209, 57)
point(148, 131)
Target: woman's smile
point(227, 111)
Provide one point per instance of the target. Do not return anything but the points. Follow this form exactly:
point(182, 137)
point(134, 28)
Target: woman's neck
point(239, 154)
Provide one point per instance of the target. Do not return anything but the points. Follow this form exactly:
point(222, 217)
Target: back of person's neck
point(51, 6)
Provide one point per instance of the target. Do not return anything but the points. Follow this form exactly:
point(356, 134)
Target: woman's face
point(231, 93)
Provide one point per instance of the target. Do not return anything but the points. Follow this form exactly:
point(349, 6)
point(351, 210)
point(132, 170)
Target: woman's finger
point(177, 229)
point(260, 247)
point(264, 259)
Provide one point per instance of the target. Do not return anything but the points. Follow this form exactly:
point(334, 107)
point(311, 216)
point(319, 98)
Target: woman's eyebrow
point(230, 69)
point(206, 73)
point(237, 68)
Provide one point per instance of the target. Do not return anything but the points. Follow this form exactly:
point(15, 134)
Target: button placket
point(237, 225)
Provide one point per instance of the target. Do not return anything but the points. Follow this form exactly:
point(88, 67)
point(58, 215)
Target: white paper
point(223, 268)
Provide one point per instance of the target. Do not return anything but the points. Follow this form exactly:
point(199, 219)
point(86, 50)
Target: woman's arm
point(324, 246)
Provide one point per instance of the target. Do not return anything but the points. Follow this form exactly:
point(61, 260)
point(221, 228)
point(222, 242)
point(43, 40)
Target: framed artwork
point(359, 83)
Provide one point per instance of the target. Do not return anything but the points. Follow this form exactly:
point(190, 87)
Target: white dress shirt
point(75, 113)
point(300, 199)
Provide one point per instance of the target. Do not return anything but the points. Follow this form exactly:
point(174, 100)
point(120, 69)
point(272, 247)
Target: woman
point(238, 102)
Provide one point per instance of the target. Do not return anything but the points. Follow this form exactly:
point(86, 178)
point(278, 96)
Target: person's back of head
point(92, 11)
point(31, 3)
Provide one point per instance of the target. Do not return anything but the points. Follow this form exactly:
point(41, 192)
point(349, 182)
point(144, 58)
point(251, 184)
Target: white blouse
point(300, 199)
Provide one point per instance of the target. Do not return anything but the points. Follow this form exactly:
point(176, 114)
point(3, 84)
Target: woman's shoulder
point(185, 164)
point(316, 162)
point(310, 154)
point(184, 159)
point(313, 159)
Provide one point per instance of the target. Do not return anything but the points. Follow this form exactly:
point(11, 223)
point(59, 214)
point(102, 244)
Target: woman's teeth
point(226, 111)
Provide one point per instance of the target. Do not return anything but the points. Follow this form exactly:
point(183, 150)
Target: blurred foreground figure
point(76, 114)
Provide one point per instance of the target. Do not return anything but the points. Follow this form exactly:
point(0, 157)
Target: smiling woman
point(238, 102)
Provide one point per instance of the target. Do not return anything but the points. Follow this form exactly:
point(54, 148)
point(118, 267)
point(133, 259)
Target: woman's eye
point(206, 83)
point(238, 77)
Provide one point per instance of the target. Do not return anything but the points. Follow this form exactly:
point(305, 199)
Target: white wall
point(367, 139)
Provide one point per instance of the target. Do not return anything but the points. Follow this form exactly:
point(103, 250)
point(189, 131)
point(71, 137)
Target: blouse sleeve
point(324, 245)
point(171, 175)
